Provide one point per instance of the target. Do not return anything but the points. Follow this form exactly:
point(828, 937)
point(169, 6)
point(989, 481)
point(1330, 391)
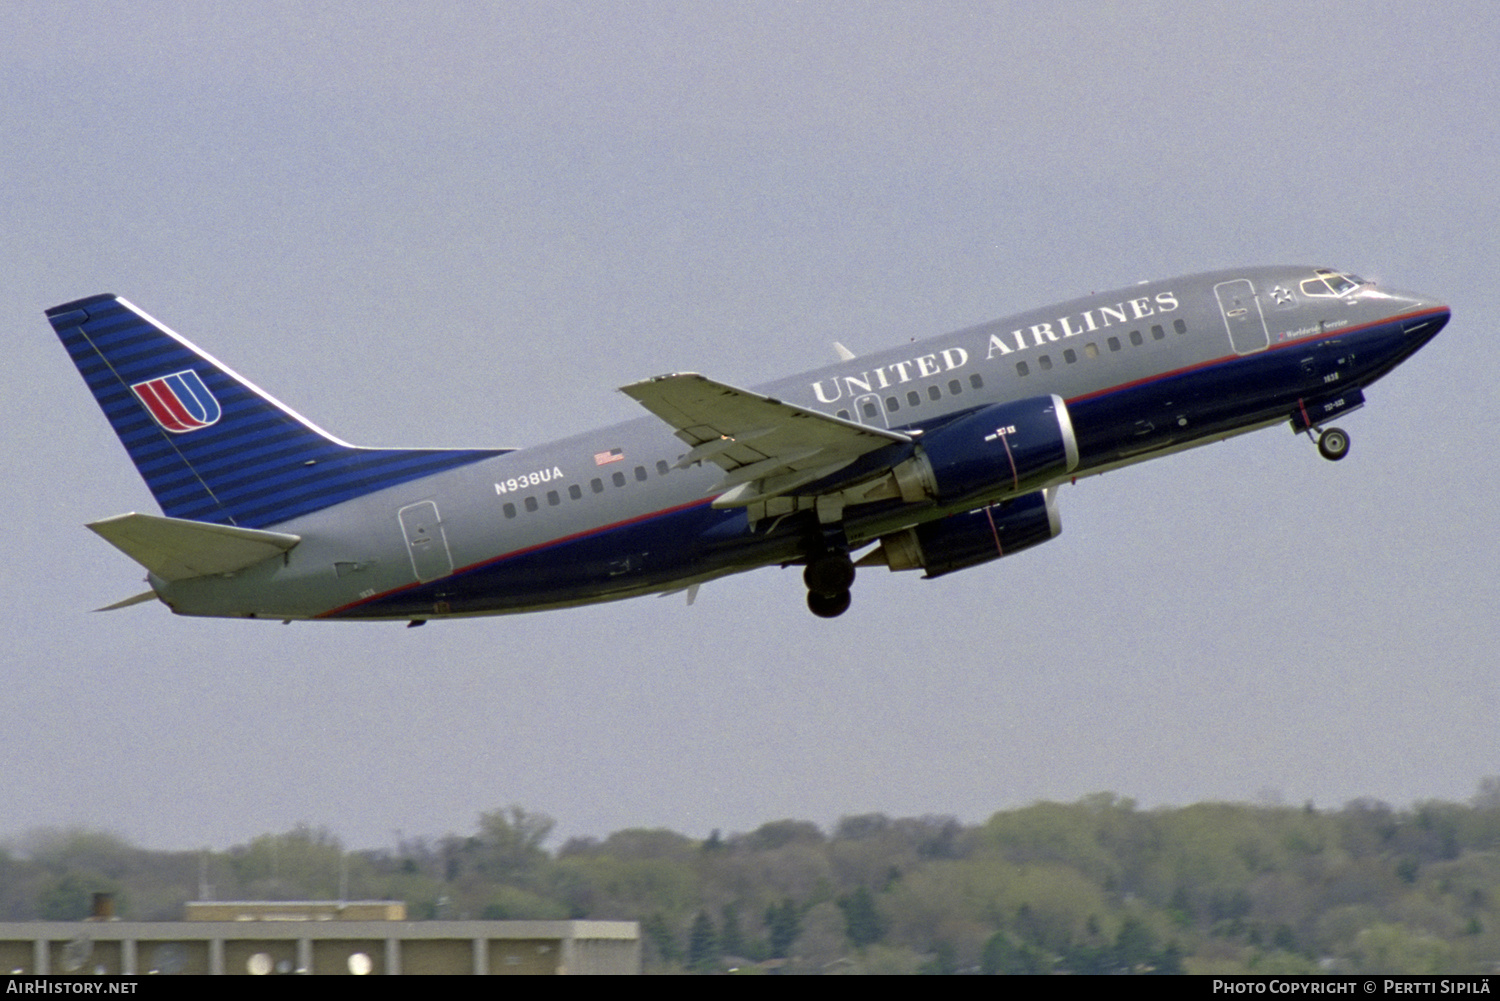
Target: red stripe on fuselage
point(563, 540)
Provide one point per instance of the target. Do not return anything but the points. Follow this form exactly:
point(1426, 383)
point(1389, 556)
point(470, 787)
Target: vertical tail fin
point(210, 445)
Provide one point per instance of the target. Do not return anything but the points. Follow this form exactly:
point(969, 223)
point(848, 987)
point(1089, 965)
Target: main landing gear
point(828, 577)
point(1333, 443)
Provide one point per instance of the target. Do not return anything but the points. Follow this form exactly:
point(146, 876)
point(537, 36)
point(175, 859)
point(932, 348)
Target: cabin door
point(425, 541)
point(1242, 316)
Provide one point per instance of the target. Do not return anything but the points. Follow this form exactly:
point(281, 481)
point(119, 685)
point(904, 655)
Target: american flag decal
point(605, 458)
point(179, 402)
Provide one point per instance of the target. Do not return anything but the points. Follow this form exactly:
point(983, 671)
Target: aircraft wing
point(765, 446)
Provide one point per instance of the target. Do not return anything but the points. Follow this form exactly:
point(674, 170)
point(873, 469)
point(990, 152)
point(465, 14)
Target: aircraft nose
point(1425, 316)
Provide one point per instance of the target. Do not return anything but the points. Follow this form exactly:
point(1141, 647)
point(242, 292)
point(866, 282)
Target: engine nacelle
point(1000, 450)
point(960, 541)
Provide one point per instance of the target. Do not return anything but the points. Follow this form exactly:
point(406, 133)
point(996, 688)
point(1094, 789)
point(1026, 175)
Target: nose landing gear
point(1333, 443)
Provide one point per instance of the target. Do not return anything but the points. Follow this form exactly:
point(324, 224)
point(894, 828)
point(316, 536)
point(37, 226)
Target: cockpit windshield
point(1331, 283)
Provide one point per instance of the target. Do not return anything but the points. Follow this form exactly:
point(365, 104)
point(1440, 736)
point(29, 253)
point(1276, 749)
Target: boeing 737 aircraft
point(936, 456)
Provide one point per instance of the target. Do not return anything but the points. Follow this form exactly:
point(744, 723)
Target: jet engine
point(1005, 448)
point(960, 541)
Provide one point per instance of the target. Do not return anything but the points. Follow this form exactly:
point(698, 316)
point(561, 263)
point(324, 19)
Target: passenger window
point(869, 409)
point(553, 498)
point(843, 415)
point(1091, 349)
point(1045, 361)
point(892, 404)
point(640, 474)
point(510, 510)
point(1069, 355)
point(1180, 326)
point(618, 479)
point(1157, 333)
point(575, 492)
point(1114, 344)
point(531, 504)
point(1022, 369)
point(955, 387)
point(934, 394)
point(975, 381)
point(913, 398)
point(596, 485)
point(661, 467)
point(1136, 338)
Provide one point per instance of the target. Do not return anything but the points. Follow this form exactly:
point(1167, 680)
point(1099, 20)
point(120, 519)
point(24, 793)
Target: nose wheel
point(828, 577)
point(1333, 444)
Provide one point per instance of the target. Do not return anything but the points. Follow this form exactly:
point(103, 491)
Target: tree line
point(1096, 886)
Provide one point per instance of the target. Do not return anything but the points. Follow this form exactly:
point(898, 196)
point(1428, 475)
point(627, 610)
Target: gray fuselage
point(1144, 371)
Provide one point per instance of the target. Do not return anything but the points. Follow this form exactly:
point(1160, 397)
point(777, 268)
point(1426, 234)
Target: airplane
point(936, 456)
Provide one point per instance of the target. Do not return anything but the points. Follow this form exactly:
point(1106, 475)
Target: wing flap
point(177, 549)
point(755, 438)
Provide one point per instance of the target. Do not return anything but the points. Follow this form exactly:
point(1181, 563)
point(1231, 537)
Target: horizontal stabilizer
point(176, 549)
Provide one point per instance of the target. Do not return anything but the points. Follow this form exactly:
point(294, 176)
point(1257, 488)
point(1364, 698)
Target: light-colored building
point(318, 945)
point(294, 910)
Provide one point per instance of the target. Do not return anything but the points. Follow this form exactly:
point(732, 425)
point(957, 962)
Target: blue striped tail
point(210, 445)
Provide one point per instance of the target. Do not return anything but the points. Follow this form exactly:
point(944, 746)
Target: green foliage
point(703, 944)
point(1395, 948)
point(509, 845)
point(1003, 955)
point(890, 961)
point(606, 886)
point(643, 843)
point(780, 833)
point(71, 896)
point(731, 939)
point(511, 903)
point(305, 862)
point(1053, 833)
point(942, 963)
point(62, 850)
point(661, 939)
point(1096, 886)
point(863, 922)
point(783, 925)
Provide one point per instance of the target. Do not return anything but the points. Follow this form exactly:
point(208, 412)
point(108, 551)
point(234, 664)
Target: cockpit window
point(1331, 283)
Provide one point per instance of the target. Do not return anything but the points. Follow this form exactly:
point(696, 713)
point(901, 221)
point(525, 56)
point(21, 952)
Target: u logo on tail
point(179, 402)
point(211, 445)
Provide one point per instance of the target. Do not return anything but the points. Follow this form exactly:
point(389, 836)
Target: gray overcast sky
point(468, 223)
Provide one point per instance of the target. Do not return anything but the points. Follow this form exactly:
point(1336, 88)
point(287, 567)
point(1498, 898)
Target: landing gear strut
point(828, 576)
point(1333, 444)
